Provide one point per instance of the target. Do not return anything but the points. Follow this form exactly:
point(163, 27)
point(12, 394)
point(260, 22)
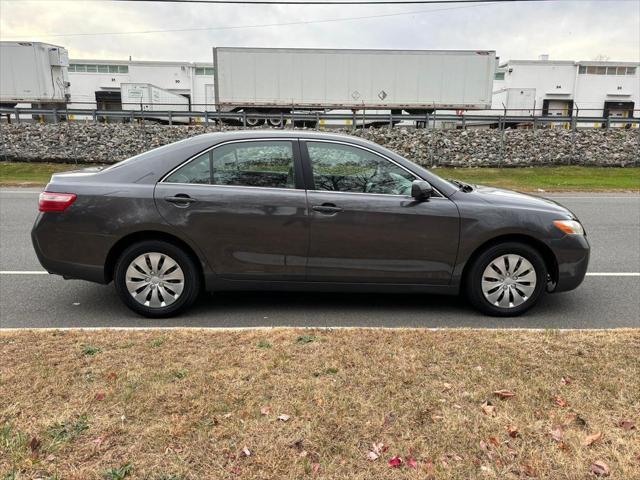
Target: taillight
point(55, 202)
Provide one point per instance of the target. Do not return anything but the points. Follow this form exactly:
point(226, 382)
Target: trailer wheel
point(275, 120)
point(254, 122)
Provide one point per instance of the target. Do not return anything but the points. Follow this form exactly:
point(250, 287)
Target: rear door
point(365, 226)
point(243, 203)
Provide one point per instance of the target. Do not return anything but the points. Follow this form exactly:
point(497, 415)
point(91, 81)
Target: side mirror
point(421, 190)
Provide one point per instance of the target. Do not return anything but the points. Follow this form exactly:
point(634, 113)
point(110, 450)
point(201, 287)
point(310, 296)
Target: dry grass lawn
point(190, 404)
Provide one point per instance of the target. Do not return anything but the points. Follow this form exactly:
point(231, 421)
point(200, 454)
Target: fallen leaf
point(488, 409)
point(412, 463)
point(373, 456)
point(556, 433)
point(265, 410)
point(315, 467)
point(284, 417)
point(626, 424)
point(34, 444)
point(561, 402)
point(529, 471)
point(494, 441)
point(504, 394)
point(512, 430)
point(377, 448)
point(395, 462)
point(591, 439)
point(566, 380)
point(100, 396)
point(600, 468)
point(112, 376)
point(246, 452)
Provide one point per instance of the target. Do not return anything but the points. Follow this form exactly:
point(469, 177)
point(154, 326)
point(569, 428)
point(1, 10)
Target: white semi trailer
point(33, 73)
point(151, 100)
point(272, 81)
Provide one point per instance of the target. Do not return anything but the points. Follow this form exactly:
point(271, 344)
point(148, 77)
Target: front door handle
point(326, 208)
point(180, 200)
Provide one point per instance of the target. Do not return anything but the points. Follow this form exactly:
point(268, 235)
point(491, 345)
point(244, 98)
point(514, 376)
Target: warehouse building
point(567, 88)
point(99, 84)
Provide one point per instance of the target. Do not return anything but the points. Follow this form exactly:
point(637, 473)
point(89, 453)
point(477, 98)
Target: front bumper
point(572, 257)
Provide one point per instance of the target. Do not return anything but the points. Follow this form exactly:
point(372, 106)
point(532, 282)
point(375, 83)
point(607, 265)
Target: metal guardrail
point(243, 118)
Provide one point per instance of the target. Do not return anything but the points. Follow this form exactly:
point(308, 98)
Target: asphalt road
point(612, 222)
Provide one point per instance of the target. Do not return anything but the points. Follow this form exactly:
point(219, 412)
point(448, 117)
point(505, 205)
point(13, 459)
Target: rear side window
point(266, 164)
point(197, 170)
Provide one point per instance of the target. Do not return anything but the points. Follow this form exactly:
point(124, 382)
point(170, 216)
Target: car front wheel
point(156, 279)
point(507, 279)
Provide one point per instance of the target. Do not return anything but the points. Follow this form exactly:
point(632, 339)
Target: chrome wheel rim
point(509, 281)
point(154, 280)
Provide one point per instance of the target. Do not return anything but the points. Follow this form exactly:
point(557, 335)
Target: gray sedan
point(278, 210)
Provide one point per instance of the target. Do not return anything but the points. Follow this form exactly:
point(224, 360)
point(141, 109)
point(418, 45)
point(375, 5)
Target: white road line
point(613, 274)
point(590, 274)
point(32, 192)
point(23, 272)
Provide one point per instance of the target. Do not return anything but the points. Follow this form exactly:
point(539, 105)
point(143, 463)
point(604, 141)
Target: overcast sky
point(566, 30)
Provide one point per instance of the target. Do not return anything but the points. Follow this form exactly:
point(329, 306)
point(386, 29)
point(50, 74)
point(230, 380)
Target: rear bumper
point(572, 256)
point(71, 255)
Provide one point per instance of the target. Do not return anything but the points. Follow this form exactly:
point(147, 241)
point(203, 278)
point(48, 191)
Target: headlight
point(570, 227)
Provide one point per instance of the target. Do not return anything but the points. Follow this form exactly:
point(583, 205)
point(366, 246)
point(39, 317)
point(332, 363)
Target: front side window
point(245, 164)
point(343, 168)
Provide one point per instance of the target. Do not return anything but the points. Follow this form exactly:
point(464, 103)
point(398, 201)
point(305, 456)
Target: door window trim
point(310, 182)
point(297, 165)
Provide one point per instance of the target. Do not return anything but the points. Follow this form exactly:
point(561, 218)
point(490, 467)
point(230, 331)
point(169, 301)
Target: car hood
point(509, 198)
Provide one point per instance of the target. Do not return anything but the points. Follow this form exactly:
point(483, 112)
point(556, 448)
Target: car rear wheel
point(156, 279)
point(506, 280)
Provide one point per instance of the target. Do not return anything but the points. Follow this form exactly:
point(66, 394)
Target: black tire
point(473, 280)
point(192, 282)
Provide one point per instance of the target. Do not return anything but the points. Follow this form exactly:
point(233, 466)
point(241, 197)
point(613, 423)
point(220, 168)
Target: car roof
point(271, 133)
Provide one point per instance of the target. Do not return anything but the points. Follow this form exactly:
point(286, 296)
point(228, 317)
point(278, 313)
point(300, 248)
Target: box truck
point(149, 99)
point(34, 73)
point(282, 80)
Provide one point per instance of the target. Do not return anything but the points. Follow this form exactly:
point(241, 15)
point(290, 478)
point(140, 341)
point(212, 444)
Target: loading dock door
point(557, 107)
point(111, 101)
point(618, 110)
point(108, 100)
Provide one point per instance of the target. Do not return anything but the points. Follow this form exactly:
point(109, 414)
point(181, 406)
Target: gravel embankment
point(108, 143)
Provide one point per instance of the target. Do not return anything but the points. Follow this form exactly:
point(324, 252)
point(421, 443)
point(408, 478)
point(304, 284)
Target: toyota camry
point(298, 210)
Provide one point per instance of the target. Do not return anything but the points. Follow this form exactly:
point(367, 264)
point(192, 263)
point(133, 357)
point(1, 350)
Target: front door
point(244, 205)
point(365, 226)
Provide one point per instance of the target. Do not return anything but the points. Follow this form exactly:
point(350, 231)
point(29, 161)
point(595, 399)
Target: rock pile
point(109, 143)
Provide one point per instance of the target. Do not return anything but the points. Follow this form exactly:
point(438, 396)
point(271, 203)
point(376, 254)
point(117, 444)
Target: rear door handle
point(326, 208)
point(180, 200)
